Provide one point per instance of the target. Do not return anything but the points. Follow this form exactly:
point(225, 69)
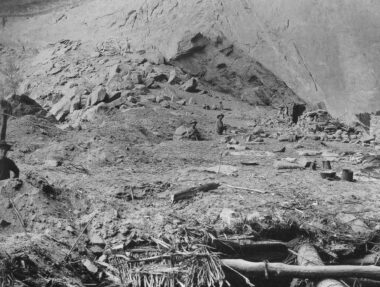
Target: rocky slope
point(322, 51)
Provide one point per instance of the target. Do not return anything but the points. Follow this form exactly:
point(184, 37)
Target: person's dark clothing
point(7, 165)
point(220, 127)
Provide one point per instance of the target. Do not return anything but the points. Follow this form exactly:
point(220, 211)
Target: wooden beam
point(295, 271)
point(192, 191)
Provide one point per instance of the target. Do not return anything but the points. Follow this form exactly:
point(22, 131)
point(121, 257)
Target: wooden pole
point(311, 272)
point(3, 128)
point(5, 110)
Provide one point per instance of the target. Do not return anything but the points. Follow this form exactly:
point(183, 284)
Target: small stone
point(190, 85)
point(90, 266)
point(257, 131)
point(182, 102)
point(97, 250)
point(136, 78)
point(162, 98)
point(95, 239)
point(230, 216)
point(52, 162)
point(4, 223)
point(165, 104)
point(173, 79)
point(236, 147)
point(103, 258)
point(69, 229)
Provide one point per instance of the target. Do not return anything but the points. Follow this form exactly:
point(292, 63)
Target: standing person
point(220, 127)
point(7, 165)
point(221, 107)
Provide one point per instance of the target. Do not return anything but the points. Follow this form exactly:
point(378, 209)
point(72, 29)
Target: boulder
point(119, 83)
point(161, 98)
point(186, 132)
point(136, 78)
point(99, 94)
point(76, 104)
point(114, 96)
point(52, 162)
point(157, 76)
point(190, 85)
point(96, 239)
point(61, 109)
point(182, 102)
point(230, 217)
point(91, 113)
point(116, 103)
point(150, 83)
point(141, 89)
point(257, 131)
point(173, 79)
point(114, 71)
point(165, 104)
point(4, 223)
point(23, 105)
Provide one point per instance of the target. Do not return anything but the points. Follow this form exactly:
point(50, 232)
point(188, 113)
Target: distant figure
point(220, 127)
point(7, 165)
point(187, 132)
point(221, 108)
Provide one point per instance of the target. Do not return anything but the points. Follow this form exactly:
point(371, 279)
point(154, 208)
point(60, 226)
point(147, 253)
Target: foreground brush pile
point(196, 256)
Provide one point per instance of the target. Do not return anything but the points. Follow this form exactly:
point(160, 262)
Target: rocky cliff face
point(324, 51)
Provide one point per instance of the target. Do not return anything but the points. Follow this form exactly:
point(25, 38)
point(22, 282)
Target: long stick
point(18, 216)
point(245, 188)
point(312, 272)
point(76, 241)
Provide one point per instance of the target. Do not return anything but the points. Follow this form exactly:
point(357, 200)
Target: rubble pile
point(321, 126)
point(79, 88)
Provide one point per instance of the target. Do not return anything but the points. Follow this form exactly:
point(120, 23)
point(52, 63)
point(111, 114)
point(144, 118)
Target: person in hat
point(220, 127)
point(193, 132)
point(7, 165)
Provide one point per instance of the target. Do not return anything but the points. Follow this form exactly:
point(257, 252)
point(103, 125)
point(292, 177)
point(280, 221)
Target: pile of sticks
point(189, 250)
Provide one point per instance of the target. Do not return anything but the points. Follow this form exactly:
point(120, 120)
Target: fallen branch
point(245, 188)
point(79, 236)
point(312, 272)
point(190, 192)
point(19, 216)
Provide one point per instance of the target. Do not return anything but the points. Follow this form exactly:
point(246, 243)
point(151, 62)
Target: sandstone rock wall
point(323, 50)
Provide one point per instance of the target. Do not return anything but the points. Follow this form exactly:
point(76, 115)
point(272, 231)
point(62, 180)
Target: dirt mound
point(37, 204)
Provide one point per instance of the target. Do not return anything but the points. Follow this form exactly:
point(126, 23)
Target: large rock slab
point(61, 109)
point(99, 94)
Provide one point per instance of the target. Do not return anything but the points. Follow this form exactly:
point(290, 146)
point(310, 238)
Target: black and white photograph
point(189, 143)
